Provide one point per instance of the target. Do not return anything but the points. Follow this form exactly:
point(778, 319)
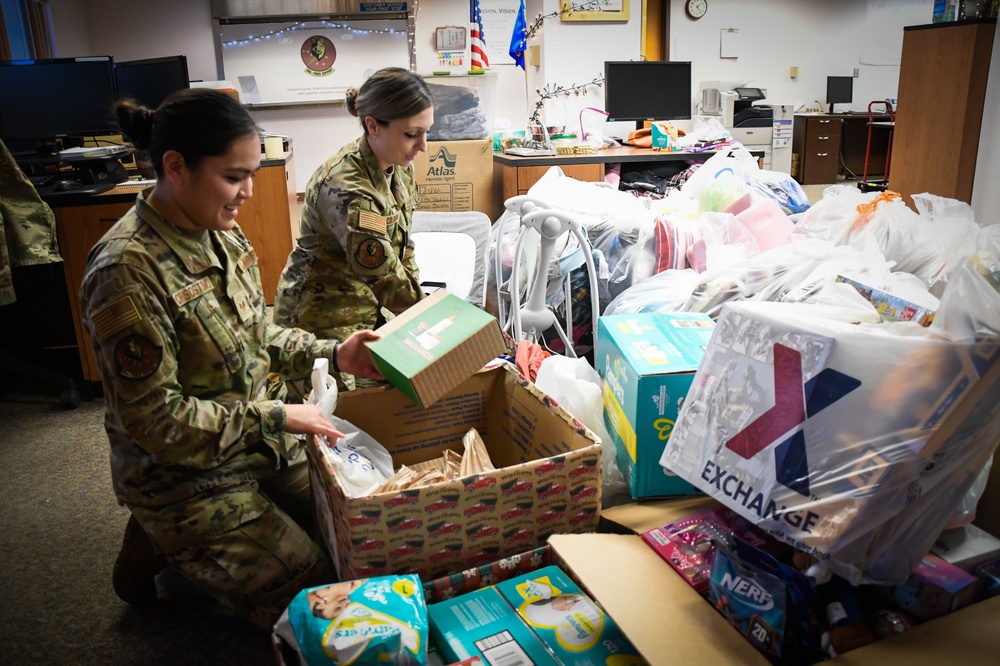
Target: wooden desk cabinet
point(816, 142)
point(266, 219)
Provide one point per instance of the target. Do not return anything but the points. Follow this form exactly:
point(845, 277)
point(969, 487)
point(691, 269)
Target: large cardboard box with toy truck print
point(547, 479)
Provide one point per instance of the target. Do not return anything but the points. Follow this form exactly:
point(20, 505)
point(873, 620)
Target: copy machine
point(750, 122)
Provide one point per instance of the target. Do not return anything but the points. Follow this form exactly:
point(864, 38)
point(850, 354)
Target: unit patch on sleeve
point(182, 296)
point(371, 222)
point(137, 357)
point(115, 317)
point(371, 253)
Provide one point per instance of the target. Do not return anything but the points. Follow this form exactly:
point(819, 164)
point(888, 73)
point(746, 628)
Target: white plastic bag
point(736, 160)
point(361, 463)
point(574, 384)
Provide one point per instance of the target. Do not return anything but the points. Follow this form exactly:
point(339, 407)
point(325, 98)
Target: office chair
point(450, 249)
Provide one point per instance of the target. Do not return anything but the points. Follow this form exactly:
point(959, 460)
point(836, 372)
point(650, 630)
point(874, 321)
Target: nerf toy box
point(542, 616)
point(648, 361)
point(434, 345)
point(446, 527)
point(935, 588)
point(669, 622)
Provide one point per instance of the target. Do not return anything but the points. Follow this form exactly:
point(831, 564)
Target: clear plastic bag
point(855, 443)
point(361, 463)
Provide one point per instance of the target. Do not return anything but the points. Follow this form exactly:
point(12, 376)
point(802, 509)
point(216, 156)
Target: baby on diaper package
point(368, 621)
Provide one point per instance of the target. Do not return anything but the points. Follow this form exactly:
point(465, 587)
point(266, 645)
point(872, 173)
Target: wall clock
point(695, 9)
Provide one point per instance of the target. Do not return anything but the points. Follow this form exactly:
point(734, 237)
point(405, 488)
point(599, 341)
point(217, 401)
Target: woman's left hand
point(354, 357)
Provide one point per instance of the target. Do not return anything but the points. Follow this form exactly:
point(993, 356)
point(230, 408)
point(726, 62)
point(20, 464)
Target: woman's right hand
point(309, 420)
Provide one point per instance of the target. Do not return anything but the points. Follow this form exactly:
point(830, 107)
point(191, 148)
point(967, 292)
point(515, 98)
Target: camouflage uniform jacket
point(354, 255)
point(179, 329)
point(27, 225)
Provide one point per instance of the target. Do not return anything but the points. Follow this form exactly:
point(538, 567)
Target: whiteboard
point(309, 61)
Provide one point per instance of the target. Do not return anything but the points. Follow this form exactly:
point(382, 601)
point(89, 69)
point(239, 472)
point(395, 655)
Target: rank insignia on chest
point(248, 260)
point(371, 253)
point(137, 357)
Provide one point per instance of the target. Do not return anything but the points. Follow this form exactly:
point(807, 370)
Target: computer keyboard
point(41, 180)
point(135, 185)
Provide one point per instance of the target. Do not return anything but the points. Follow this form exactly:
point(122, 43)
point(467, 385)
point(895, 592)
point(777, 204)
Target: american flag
point(479, 59)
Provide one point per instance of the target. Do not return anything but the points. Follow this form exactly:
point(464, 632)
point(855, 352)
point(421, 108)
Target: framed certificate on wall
point(594, 10)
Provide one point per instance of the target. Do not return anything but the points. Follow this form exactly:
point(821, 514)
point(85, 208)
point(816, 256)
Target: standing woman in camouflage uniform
point(354, 255)
point(173, 304)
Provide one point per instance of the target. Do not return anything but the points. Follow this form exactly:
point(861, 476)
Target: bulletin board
point(309, 61)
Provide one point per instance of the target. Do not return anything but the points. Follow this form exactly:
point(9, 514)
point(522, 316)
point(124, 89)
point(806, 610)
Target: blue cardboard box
point(540, 618)
point(648, 361)
point(482, 624)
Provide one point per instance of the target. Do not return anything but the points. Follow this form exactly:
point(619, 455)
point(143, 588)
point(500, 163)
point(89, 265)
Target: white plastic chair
point(450, 248)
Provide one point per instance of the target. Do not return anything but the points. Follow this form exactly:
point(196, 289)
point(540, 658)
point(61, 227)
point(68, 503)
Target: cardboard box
point(670, 623)
point(455, 176)
point(542, 616)
point(448, 527)
point(434, 345)
point(648, 361)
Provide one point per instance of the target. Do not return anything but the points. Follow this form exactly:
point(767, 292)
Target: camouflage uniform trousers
point(254, 570)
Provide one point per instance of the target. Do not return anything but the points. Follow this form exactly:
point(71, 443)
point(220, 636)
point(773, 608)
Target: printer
point(742, 112)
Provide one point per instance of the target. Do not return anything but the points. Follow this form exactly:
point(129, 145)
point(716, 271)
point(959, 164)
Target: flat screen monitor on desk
point(647, 90)
point(839, 90)
point(48, 99)
point(150, 81)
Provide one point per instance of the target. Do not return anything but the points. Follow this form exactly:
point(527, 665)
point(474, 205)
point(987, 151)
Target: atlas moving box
point(455, 176)
point(435, 344)
point(447, 527)
point(648, 361)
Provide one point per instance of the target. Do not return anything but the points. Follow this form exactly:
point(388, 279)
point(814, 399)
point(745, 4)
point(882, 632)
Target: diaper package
point(367, 621)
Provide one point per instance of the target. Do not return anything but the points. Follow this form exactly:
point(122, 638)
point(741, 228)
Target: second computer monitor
point(839, 90)
point(150, 81)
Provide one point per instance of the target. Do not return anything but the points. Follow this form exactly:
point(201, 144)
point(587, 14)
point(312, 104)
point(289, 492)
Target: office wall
point(819, 37)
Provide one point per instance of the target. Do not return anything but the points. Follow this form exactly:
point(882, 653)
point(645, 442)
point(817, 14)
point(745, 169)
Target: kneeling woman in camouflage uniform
point(354, 255)
point(173, 304)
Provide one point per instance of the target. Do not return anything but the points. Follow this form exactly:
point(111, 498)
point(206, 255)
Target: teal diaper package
point(572, 627)
point(379, 620)
point(539, 618)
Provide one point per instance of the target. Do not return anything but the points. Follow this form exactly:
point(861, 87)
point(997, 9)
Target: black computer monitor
point(150, 81)
point(65, 97)
point(647, 90)
point(839, 90)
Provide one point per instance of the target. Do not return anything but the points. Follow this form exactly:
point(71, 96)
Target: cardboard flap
point(656, 609)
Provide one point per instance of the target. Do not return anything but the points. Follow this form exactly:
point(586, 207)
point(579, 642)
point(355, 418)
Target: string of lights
point(565, 11)
point(310, 25)
point(554, 90)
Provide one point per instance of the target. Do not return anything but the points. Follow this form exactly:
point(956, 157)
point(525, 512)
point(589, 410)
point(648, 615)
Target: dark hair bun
point(351, 101)
point(136, 122)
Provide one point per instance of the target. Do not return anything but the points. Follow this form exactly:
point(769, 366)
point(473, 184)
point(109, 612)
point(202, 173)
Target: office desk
point(820, 140)
point(513, 175)
point(266, 219)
